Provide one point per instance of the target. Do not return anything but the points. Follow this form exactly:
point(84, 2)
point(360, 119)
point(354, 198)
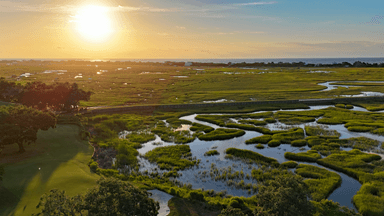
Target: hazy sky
point(191, 29)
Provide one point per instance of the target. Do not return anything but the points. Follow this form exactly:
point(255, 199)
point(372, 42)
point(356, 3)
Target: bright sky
point(191, 28)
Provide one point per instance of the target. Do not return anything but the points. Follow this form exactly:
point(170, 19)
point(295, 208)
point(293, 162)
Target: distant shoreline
point(223, 60)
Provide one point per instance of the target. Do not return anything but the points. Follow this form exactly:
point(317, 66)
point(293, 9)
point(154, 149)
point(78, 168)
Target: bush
point(93, 165)
point(196, 195)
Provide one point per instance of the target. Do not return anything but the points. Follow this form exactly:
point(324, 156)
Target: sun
point(93, 23)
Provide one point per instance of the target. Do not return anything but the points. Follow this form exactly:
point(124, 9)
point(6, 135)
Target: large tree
point(58, 96)
point(110, 197)
point(19, 125)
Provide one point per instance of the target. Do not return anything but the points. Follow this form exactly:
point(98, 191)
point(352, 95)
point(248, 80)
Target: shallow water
point(333, 85)
point(163, 199)
point(194, 176)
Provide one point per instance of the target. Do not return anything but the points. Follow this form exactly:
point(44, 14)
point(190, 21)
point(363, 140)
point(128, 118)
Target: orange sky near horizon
point(186, 29)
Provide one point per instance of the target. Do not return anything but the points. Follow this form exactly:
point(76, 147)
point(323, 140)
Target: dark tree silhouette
point(110, 197)
point(19, 125)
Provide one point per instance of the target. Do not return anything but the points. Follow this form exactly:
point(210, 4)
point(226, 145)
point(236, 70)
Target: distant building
point(188, 64)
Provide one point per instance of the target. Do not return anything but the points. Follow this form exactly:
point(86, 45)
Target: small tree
point(19, 125)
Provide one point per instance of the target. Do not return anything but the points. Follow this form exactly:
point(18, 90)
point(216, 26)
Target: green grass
point(254, 122)
point(172, 157)
point(310, 156)
point(62, 157)
point(321, 182)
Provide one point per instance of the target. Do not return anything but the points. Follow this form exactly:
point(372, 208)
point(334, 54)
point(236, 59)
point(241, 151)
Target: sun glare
point(93, 23)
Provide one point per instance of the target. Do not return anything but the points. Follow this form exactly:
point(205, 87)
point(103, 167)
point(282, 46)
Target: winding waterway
point(194, 176)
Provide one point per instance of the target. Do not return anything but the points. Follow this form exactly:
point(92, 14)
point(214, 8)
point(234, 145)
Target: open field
point(125, 83)
point(58, 160)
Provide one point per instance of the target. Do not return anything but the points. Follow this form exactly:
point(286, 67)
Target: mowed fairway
point(62, 158)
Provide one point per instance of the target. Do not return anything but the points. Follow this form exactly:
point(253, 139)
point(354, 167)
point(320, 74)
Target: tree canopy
point(57, 96)
point(20, 124)
point(110, 197)
point(284, 196)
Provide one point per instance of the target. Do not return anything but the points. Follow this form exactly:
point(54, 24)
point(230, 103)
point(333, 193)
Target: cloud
point(180, 27)
point(376, 20)
point(256, 3)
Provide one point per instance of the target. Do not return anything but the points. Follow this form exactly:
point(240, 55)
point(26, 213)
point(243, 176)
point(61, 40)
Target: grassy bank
point(57, 160)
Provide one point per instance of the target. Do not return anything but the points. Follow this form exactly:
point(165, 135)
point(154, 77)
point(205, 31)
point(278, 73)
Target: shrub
point(93, 165)
point(196, 195)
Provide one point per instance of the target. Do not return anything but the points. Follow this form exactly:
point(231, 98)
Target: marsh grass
point(201, 128)
point(274, 143)
point(299, 143)
point(253, 156)
point(321, 131)
point(309, 156)
point(291, 135)
point(353, 163)
point(261, 139)
point(260, 146)
point(321, 183)
point(369, 200)
point(221, 134)
point(211, 153)
point(289, 164)
point(172, 157)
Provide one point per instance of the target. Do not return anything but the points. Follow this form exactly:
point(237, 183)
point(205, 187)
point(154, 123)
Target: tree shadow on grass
point(62, 161)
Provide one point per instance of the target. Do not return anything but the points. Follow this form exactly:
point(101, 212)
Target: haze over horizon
point(190, 29)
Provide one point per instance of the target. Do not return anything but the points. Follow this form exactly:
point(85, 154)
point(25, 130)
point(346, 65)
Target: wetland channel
point(198, 176)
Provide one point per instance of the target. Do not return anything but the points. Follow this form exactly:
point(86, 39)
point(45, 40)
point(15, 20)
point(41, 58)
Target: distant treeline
point(285, 64)
point(197, 64)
